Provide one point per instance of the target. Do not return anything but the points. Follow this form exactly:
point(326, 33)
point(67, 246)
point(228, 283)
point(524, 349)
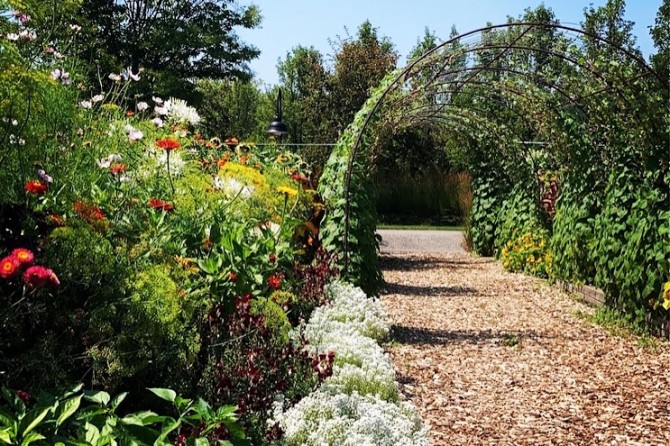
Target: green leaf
point(5, 436)
point(165, 394)
point(117, 400)
point(32, 437)
point(66, 409)
point(97, 396)
point(32, 420)
point(92, 433)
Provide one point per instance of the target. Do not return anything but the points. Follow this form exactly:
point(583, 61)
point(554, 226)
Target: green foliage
point(274, 316)
point(144, 35)
point(631, 253)
point(233, 108)
point(84, 258)
point(348, 228)
point(78, 417)
point(518, 214)
point(483, 220)
point(573, 234)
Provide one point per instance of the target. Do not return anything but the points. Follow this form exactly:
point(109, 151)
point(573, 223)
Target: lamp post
point(277, 129)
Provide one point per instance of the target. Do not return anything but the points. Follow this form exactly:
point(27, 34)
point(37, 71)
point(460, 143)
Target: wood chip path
point(492, 358)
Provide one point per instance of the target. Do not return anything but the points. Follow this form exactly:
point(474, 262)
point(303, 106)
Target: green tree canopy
point(174, 42)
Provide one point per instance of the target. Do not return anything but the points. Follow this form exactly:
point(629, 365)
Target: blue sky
point(289, 23)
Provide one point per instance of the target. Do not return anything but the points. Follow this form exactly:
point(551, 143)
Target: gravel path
point(396, 241)
point(492, 358)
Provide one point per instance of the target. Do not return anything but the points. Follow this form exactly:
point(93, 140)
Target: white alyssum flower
point(157, 100)
point(97, 98)
point(114, 77)
point(179, 111)
point(141, 106)
point(351, 420)
point(161, 111)
point(12, 37)
point(86, 104)
point(158, 122)
point(360, 404)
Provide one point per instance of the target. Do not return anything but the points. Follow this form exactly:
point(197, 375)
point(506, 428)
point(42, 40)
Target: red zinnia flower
point(274, 282)
point(36, 187)
point(24, 256)
point(9, 267)
point(116, 169)
point(168, 144)
point(39, 276)
point(89, 212)
point(160, 205)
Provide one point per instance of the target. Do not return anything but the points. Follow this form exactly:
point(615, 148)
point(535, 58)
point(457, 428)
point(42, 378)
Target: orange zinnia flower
point(160, 205)
point(116, 169)
point(36, 187)
point(24, 256)
point(9, 267)
point(168, 144)
point(274, 282)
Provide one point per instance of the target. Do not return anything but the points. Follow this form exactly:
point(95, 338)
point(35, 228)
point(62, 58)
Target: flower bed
point(359, 404)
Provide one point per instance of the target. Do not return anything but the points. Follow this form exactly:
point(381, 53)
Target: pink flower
point(39, 276)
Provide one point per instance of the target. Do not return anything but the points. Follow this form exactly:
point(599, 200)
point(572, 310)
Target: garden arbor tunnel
point(519, 98)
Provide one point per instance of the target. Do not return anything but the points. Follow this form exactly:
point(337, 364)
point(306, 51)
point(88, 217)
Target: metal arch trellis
point(409, 73)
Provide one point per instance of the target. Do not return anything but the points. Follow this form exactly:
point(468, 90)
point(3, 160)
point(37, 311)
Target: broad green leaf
point(166, 394)
point(97, 396)
point(32, 437)
point(32, 420)
point(5, 436)
point(67, 408)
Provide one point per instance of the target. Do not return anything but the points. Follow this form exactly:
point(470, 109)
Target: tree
point(305, 81)
point(359, 66)
point(660, 32)
point(232, 108)
point(173, 41)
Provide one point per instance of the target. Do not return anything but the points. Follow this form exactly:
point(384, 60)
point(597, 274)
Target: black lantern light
point(277, 128)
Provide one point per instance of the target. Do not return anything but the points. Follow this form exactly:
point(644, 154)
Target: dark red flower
point(168, 144)
point(39, 276)
point(272, 258)
point(24, 256)
point(36, 187)
point(9, 267)
point(160, 205)
point(274, 282)
point(232, 277)
point(23, 396)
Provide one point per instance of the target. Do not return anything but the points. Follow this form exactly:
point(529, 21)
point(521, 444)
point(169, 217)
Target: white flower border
point(360, 404)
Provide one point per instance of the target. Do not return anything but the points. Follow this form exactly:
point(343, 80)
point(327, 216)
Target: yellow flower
point(666, 295)
point(287, 190)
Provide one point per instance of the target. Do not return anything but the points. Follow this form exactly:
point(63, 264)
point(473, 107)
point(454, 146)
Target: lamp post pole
point(277, 129)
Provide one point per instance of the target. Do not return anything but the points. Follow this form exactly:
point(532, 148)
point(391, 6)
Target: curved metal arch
point(404, 76)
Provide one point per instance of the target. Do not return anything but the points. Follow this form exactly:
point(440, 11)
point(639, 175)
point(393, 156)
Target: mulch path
point(492, 358)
